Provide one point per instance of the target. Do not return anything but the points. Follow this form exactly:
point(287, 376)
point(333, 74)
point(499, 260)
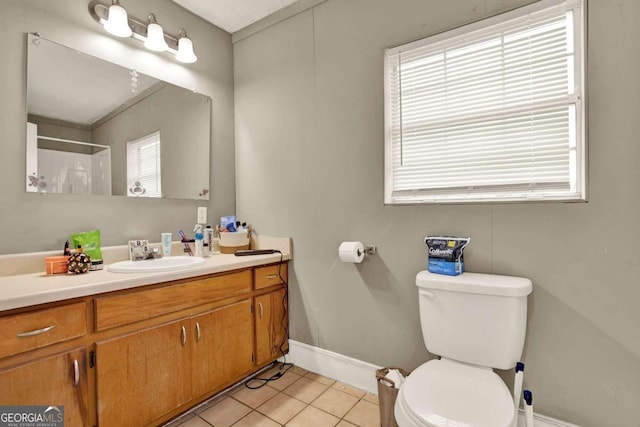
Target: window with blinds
point(492, 111)
point(143, 167)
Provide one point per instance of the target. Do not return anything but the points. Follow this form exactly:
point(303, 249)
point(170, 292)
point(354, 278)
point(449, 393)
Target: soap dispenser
point(199, 243)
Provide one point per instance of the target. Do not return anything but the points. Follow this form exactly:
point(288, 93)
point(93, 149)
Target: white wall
point(309, 154)
point(31, 222)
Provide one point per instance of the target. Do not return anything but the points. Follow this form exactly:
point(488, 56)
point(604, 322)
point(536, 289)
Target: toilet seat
point(446, 393)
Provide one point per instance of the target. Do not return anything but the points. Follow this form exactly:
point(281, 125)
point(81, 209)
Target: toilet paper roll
point(351, 252)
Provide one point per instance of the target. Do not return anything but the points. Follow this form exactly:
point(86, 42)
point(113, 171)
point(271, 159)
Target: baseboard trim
point(543, 421)
point(345, 369)
point(362, 375)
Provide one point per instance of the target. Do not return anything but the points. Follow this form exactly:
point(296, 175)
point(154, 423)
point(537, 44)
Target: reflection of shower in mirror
point(62, 166)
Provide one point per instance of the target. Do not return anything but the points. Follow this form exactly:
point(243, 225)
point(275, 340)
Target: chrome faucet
point(140, 250)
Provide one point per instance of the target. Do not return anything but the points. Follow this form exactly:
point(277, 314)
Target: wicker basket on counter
point(234, 241)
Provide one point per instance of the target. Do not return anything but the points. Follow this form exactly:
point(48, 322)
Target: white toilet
point(475, 322)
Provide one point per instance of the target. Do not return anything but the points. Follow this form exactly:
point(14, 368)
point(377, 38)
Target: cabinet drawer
point(132, 307)
point(268, 276)
point(27, 331)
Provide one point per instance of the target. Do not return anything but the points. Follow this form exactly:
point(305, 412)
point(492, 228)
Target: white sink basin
point(169, 263)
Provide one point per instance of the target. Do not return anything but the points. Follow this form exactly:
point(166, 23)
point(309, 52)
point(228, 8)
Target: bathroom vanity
point(138, 349)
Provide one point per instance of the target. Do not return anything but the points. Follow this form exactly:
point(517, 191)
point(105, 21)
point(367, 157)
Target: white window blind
point(493, 111)
point(143, 167)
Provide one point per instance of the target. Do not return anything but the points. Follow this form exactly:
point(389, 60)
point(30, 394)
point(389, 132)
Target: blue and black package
point(445, 254)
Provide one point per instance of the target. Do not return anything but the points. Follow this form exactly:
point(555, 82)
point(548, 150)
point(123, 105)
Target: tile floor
point(297, 399)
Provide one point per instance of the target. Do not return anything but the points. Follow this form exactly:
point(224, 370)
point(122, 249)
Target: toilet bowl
point(446, 393)
point(475, 322)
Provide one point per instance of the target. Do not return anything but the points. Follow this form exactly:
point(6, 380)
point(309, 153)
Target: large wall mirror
point(94, 127)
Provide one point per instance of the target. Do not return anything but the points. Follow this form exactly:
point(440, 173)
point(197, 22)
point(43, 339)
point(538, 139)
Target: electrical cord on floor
point(284, 365)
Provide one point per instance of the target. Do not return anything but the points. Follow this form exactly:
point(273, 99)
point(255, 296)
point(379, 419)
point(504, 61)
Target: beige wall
point(184, 146)
point(309, 150)
point(31, 222)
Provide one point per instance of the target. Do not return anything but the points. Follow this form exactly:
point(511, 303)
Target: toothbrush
point(528, 408)
point(184, 239)
point(517, 388)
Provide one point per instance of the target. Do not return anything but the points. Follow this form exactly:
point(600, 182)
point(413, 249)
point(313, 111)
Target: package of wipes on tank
point(445, 254)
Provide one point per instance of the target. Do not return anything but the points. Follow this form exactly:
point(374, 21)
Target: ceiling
point(233, 15)
point(67, 85)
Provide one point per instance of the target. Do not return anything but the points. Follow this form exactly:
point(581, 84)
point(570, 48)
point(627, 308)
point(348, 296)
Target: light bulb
point(155, 38)
point(118, 23)
point(185, 51)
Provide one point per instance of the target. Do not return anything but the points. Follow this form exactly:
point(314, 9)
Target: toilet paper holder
point(370, 250)
point(354, 251)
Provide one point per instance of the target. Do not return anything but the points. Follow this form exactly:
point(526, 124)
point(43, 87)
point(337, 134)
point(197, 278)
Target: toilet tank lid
point(476, 283)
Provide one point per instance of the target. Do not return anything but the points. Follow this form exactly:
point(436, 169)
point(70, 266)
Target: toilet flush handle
point(427, 294)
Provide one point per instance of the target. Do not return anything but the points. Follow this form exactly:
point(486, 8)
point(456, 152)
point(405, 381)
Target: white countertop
point(24, 290)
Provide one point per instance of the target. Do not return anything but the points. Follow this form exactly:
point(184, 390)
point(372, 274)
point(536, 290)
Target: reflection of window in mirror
point(143, 166)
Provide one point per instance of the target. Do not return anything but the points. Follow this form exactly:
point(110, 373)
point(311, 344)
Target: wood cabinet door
point(222, 346)
point(142, 376)
point(270, 323)
point(263, 322)
point(280, 318)
point(59, 380)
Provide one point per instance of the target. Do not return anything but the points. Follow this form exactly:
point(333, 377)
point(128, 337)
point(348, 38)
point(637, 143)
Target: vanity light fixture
point(116, 21)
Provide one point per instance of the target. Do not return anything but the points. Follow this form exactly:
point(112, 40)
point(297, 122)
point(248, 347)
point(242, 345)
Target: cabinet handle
point(198, 333)
point(272, 276)
point(261, 309)
point(76, 373)
point(184, 335)
point(36, 332)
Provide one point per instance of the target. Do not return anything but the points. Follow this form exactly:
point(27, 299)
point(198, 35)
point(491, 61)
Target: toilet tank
point(474, 318)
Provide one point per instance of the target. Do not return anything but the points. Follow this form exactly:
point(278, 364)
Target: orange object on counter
point(56, 264)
